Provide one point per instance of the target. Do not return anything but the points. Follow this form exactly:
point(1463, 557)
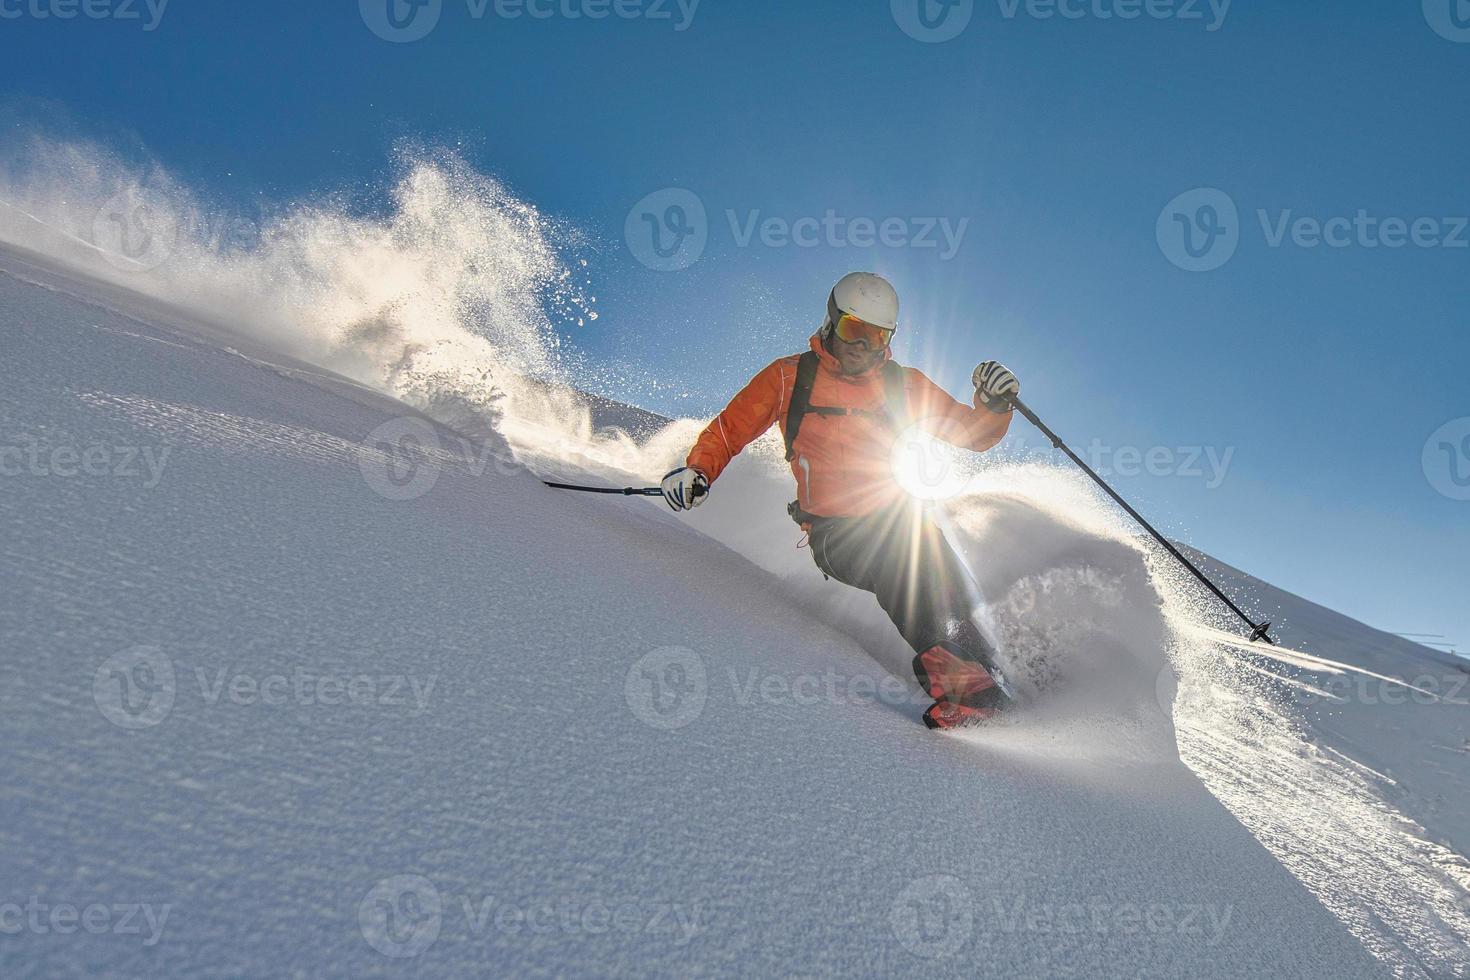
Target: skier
point(841, 406)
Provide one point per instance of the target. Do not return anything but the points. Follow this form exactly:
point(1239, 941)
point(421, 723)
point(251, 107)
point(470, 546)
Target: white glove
point(685, 488)
point(995, 383)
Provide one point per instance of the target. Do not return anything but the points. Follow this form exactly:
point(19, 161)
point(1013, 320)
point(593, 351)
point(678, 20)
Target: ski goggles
point(850, 330)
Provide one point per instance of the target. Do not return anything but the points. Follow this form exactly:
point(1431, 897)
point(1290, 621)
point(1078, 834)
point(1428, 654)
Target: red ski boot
point(947, 714)
point(947, 675)
point(964, 692)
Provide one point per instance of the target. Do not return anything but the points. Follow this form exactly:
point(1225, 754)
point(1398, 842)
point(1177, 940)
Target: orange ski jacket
point(842, 463)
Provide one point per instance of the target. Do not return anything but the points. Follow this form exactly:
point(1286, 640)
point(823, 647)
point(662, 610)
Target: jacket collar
point(831, 363)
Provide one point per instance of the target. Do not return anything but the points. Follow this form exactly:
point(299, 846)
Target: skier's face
point(854, 358)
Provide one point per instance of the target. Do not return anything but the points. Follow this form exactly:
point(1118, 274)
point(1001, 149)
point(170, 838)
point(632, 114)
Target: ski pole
point(1258, 630)
point(625, 491)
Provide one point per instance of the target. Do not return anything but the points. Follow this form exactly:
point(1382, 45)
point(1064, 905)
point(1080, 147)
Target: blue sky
point(1056, 144)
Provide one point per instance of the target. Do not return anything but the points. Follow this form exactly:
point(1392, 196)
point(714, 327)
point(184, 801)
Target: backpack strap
point(893, 390)
point(801, 397)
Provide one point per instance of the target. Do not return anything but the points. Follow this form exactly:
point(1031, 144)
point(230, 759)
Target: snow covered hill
point(301, 681)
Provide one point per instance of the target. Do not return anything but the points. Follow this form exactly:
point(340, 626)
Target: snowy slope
point(518, 731)
point(342, 692)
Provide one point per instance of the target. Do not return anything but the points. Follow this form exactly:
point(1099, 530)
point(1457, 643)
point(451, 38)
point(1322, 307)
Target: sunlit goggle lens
point(850, 330)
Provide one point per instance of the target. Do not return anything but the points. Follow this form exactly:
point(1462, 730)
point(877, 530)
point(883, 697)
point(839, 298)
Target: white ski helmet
point(865, 295)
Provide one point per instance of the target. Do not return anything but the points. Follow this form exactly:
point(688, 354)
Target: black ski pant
point(900, 556)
